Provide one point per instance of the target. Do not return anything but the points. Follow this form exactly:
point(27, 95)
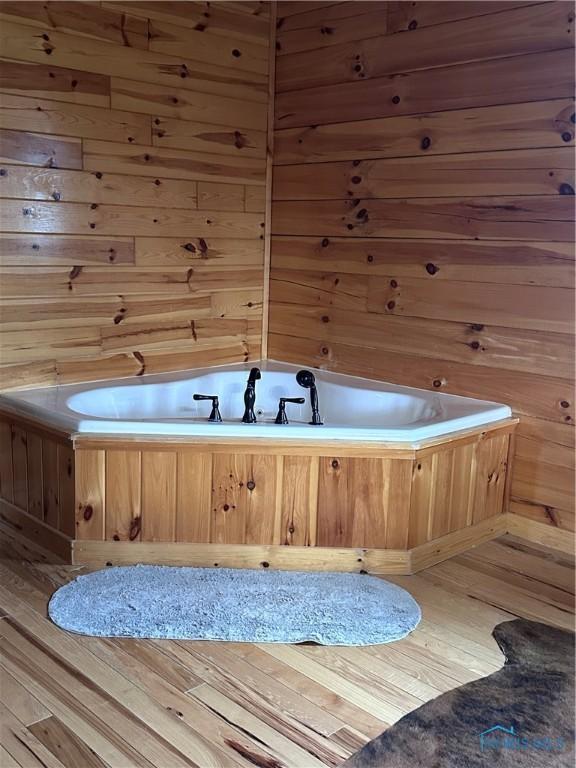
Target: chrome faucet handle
point(281, 417)
point(215, 412)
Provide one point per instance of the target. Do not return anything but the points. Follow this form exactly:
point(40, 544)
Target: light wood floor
point(78, 702)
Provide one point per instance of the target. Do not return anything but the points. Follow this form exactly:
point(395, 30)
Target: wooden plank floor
point(73, 701)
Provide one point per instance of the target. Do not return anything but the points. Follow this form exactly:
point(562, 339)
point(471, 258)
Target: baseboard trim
point(98, 553)
point(34, 531)
point(425, 555)
point(374, 561)
point(540, 533)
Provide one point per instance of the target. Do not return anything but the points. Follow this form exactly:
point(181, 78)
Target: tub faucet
point(306, 379)
point(250, 396)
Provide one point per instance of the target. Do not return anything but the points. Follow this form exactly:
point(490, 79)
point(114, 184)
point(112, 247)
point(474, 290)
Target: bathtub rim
point(68, 424)
point(283, 446)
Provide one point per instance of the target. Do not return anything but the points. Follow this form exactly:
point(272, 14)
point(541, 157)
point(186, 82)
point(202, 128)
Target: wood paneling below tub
point(118, 153)
point(355, 507)
point(423, 214)
point(379, 497)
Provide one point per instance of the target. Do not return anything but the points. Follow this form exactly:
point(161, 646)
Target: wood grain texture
point(363, 112)
point(534, 77)
point(124, 126)
point(519, 31)
point(90, 477)
point(158, 496)
point(476, 129)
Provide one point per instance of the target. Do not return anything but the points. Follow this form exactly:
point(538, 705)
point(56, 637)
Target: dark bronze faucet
point(281, 417)
point(250, 396)
point(215, 412)
point(306, 379)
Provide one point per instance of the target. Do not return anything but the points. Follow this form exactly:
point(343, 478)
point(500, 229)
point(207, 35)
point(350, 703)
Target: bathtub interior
point(351, 407)
point(339, 403)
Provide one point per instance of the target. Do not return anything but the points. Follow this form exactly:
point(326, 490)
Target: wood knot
point(432, 268)
point(413, 24)
point(325, 319)
point(325, 243)
point(88, 512)
point(477, 327)
point(395, 99)
point(250, 485)
point(426, 143)
point(437, 383)
point(356, 179)
point(265, 564)
point(393, 284)
point(135, 527)
point(335, 464)
point(189, 247)
point(325, 350)
point(390, 305)
point(564, 404)
point(236, 53)
point(566, 136)
point(566, 189)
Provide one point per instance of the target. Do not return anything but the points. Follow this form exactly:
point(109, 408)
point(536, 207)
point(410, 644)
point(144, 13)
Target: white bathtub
point(352, 408)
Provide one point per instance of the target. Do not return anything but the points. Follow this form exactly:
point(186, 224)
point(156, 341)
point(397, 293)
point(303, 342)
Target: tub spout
point(250, 396)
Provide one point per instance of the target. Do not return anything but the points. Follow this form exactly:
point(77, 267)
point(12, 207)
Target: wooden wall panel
point(158, 496)
point(347, 515)
point(123, 519)
point(37, 476)
point(423, 223)
point(150, 495)
point(132, 136)
point(90, 476)
point(194, 495)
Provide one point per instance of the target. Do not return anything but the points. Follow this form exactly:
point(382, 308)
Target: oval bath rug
point(252, 606)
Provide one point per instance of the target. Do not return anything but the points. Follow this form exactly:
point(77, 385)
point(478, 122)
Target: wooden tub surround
point(368, 507)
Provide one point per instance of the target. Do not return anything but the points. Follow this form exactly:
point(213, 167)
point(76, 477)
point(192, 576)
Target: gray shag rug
point(181, 603)
point(521, 716)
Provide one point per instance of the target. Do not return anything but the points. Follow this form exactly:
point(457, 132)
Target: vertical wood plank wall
point(423, 205)
point(132, 186)
point(37, 478)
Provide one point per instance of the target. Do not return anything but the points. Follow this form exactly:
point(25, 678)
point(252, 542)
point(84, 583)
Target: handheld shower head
point(305, 379)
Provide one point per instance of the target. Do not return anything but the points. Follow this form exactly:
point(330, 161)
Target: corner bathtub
point(131, 471)
point(352, 408)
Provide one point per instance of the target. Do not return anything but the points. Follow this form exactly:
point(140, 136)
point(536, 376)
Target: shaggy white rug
point(154, 601)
